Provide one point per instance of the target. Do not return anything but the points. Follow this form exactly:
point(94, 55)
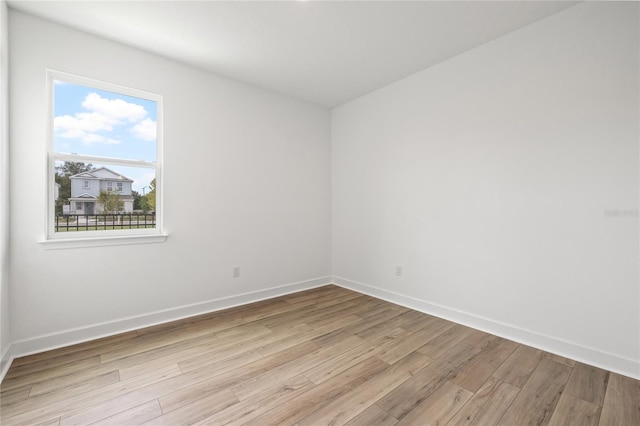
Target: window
point(100, 131)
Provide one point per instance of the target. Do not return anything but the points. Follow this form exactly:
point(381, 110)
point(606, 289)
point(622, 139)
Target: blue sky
point(97, 122)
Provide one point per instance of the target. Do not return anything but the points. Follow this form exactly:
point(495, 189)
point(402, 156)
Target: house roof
point(84, 196)
point(101, 173)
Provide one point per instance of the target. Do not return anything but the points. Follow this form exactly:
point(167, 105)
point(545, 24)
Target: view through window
point(103, 158)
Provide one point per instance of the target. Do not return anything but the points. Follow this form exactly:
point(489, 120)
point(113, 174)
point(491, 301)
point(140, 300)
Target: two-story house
point(86, 187)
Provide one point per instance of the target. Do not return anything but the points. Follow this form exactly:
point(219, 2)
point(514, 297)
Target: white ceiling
point(324, 52)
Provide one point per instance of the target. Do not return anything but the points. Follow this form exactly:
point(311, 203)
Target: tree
point(111, 201)
point(151, 196)
point(137, 198)
point(144, 204)
point(63, 172)
point(70, 168)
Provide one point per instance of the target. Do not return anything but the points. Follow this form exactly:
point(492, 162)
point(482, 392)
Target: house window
point(104, 132)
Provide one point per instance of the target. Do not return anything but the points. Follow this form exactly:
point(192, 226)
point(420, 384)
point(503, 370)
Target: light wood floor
point(324, 356)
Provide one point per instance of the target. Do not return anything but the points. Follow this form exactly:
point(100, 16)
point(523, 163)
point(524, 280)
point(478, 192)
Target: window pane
point(130, 203)
point(97, 122)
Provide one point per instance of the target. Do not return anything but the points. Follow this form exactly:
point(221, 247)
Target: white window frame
point(119, 187)
point(109, 186)
point(86, 184)
point(103, 237)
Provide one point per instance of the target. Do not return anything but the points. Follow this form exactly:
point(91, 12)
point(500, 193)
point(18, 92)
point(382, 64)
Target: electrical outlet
point(398, 270)
point(236, 271)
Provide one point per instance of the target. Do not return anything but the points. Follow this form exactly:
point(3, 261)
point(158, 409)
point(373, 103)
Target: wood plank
point(538, 398)
point(316, 398)
point(14, 395)
point(560, 359)
point(52, 422)
point(150, 342)
point(124, 401)
point(439, 407)
point(303, 314)
point(445, 341)
point(479, 339)
point(415, 321)
point(321, 318)
point(133, 416)
point(588, 383)
point(352, 296)
point(382, 308)
point(158, 328)
point(152, 359)
point(46, 403)
point(373, 415)
point(68, 400)
point(73, 379)
point(73, 352)
point(476, 372)
point(256, 405)
point(263, 381)
point(379, 330)
point(413, 341)
point(621, 402)
point(297, 338)
point(340, 362)
point(357, 327)
point(188, 350)
point(488, 405)
point(519, 366)
point(194, 411)
point(574, 411)
point(346, 407)
point(228, 376)
point(214, 325)
point(313, 294)
point(399, 402)
point(229, 348)
point(52, 373)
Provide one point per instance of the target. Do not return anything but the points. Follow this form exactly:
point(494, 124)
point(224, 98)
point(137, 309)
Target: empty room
point(319, 213)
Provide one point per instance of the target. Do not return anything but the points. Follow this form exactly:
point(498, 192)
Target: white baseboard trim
point(571, 350)
point(5, 361)
point(96, 331)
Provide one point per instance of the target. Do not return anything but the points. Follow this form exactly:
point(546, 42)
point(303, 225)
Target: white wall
point(5, 317)
point(263, 203)
point(487, 178)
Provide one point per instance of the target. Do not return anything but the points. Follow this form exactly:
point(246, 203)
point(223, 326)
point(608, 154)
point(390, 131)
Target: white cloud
point(103, 116)
point(73, 133)
point(145, 130)
point(91, 138)
point(83, 121)
point(115, 109)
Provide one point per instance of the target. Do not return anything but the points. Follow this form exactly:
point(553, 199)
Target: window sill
point(67, 243)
